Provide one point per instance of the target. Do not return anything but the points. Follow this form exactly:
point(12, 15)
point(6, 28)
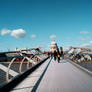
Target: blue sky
point(31, 23)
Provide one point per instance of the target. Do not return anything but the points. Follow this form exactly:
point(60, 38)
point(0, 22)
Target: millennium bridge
point(38, 72)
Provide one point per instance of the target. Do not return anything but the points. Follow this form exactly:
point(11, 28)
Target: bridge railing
point(9, 85)
point(83, 59)
point(19, 64)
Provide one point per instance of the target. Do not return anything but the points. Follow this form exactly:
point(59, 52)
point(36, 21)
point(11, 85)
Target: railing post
point(20, 67)
point(7, 73)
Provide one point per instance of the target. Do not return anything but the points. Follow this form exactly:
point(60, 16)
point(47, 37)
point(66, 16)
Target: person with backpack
point(58, 57)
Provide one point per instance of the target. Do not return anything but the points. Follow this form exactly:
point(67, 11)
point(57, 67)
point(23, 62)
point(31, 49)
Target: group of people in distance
point(57, 54)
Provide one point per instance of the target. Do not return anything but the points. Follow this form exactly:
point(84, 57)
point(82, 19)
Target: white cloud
point(5, 31)
point(33, 36)
point(84, 32)
point(84, 45)
point(18, 33)
point(53, 37)
point(88, 45)
point(82, 39)
point(90, 42)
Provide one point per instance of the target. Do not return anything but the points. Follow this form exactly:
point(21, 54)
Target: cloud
point(82, 39)
point(84, 45)
point(53, 37)
point(5, 31)
point(84, 32)
point(33, 36)
point(18, 33)
point(88, 45)
point(90, 42)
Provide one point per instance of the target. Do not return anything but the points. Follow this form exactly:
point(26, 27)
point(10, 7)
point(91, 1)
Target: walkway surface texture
point(64, 77)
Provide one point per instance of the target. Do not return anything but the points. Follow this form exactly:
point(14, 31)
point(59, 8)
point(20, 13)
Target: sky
point(33, 23)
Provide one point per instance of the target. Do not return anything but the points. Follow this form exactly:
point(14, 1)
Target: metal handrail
point(7, 73)
point(16, 80)
point(20, 67)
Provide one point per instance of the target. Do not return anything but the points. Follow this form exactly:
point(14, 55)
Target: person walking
point(55, 55)
point(61, 52)
point(58, 57)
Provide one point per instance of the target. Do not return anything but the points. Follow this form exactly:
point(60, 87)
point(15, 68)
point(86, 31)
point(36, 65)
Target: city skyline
point(33, 23)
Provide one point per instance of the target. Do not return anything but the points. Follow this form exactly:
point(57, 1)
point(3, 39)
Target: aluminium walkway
point(59, 77)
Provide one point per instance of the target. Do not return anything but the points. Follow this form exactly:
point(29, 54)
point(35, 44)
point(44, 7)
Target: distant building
point(16, 49)
point(53, 46)
point(79, 50)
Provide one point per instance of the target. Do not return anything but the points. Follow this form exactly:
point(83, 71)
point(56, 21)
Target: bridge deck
point(63, 77)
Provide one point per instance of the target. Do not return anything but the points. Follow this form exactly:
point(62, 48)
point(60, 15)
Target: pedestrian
point(55, 55)
point(61, 52)
point(51, 54)
point(58, 57)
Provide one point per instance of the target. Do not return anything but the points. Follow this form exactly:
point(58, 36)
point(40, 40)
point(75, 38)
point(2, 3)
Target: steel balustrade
point(33, 61)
